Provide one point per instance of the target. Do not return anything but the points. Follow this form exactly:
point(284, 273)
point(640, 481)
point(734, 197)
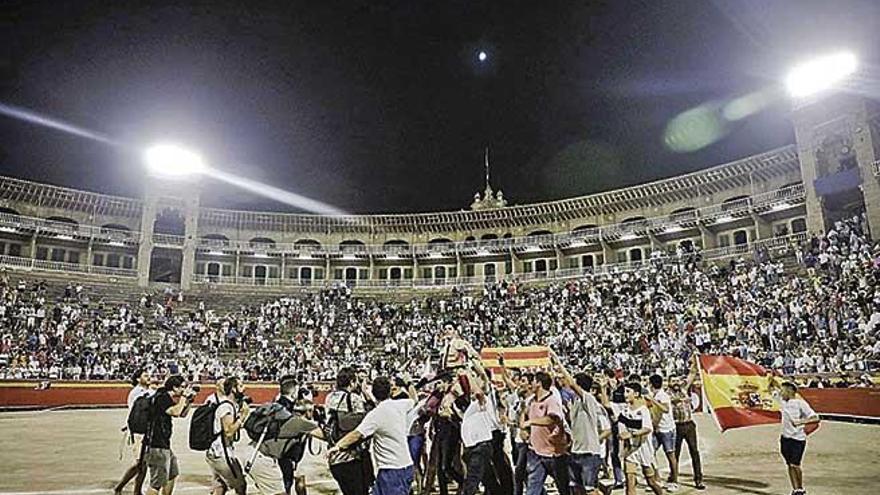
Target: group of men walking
point(395, 437)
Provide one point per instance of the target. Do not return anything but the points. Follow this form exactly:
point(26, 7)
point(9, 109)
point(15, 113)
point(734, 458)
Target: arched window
point(740, 237)
point(734, 203)
point(633, 220)
point(169, 222)
point(581, 228)
point(63, 220)
point(396, 242)
point(488, 237)
point(798, 225)
point(262, 242)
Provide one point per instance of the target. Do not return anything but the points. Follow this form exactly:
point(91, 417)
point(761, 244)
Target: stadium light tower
point(173, 162)
point(819, 74)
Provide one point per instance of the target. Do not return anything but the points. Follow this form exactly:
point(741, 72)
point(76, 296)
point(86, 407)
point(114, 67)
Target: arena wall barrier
point(29, 394)
point(849, 402)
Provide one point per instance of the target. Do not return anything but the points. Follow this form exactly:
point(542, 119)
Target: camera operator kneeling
point(160, 459)
point(231, 413)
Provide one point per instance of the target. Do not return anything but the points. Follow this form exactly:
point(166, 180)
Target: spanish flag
point(739, 392)
point(515, 357)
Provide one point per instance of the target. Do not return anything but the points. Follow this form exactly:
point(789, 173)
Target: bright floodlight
point(819, 74)
point(172, 161)
point(482, 56)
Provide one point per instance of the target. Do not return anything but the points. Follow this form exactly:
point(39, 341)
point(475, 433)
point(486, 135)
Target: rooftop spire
point(489, 199)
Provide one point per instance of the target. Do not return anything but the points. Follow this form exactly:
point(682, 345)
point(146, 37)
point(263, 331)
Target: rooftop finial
point(489, 199)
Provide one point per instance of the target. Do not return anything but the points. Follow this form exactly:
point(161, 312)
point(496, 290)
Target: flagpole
point(487, 167)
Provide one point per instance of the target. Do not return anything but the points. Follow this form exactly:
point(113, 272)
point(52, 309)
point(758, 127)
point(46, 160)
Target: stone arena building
point(764, 201)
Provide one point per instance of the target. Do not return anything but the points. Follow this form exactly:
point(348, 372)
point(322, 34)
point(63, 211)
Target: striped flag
point(739, 392)
point(515, 357)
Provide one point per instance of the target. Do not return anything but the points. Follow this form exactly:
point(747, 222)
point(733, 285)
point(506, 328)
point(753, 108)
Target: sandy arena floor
point(77, 452)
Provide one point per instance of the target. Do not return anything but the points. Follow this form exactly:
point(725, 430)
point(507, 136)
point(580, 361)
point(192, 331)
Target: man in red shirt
point(548, 440)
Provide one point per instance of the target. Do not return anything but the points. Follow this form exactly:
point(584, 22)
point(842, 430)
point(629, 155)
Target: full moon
point(482, 56)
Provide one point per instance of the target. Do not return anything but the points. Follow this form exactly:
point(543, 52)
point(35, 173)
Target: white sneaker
point(672, 487)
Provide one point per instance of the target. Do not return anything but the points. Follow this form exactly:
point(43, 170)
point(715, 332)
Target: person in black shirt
point(171, 400)
point(286, 399)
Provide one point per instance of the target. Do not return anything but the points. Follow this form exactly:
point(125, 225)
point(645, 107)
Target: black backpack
point(201, 426)
point(280, 441)
point(140, 417)
point(342, 423)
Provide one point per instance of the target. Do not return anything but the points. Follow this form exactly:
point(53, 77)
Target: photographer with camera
point(346, 407)
point(229, 416)
point(172, 400)
point(141, 382)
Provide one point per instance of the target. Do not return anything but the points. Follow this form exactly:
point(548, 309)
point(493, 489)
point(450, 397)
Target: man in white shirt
point(796, 414)
point(477, 423)
point(388, 426)
point(636, 429)
point(228, 420)
point(141, 381)
point(664, 431)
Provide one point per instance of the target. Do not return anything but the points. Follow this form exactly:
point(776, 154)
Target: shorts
point(665, 439)
point(792, 450)
point(584, 470)
point(265, 474)
point(226, 475)
point(135, 442)
point(630, 467)
point(163, 467)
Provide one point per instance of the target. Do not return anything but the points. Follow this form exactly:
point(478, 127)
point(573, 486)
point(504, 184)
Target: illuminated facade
point(727, 210)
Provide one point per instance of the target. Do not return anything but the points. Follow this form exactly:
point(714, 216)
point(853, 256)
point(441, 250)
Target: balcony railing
point(17, 262)
point(168, 239)
point(42, 227)
point(715, 254)
point(781, 198)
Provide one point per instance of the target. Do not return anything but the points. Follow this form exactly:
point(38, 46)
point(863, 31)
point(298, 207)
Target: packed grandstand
point(812, 307)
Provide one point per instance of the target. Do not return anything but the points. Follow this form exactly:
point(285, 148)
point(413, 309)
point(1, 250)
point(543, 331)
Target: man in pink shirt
point(548, 440)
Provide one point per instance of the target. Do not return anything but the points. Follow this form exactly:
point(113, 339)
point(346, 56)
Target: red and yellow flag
point(739, 392)
point(516, 357)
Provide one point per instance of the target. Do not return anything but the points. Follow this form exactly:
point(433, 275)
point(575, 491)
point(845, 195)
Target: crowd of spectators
point(819, 315)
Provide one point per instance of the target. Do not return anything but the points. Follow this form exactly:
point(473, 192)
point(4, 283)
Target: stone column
point(710, 240)
point(191, 239)
point(145, 246)
point(863, 145)
point(608, 253)
point(763, 228)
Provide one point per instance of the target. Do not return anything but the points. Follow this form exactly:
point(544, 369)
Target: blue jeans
point(393, 481)
point(540, 466)
point(416, 445)
point(585, 470)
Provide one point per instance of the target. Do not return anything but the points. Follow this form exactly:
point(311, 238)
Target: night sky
point(376, 106)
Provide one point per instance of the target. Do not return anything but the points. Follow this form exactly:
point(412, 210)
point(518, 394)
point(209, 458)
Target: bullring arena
point(768, 265)
point(77, 451)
